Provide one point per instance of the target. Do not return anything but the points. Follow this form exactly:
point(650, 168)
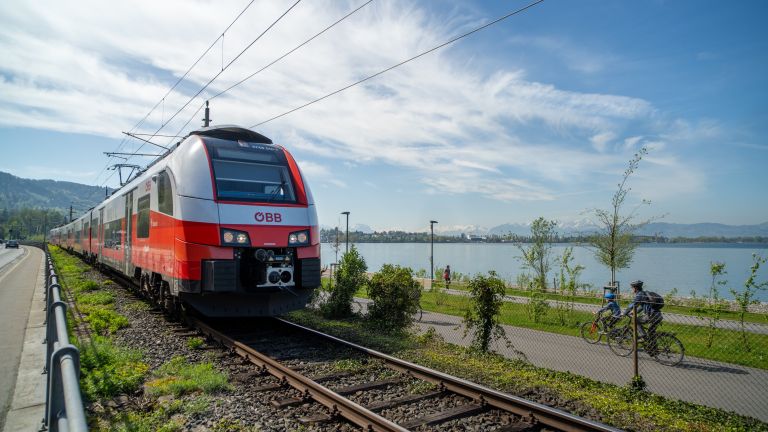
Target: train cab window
point(142, 223)
point(164, 193)
point(247, 171)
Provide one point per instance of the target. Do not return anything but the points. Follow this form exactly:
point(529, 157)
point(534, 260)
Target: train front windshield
point(247, 171)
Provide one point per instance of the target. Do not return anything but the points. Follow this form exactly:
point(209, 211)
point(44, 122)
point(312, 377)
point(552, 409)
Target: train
point(223, 223)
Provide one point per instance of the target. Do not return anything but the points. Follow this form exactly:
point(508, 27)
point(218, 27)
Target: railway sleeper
point(367, 386)
point(394, 403)
point(444, 416)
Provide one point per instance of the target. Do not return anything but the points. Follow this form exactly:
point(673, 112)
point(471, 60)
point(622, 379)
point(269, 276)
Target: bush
point(108, 370)
point(350, 276)
point(482, 317)
point(395, 296)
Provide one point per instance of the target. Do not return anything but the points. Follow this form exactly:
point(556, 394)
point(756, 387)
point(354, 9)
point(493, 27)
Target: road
point(19, 271)
point(721, 385)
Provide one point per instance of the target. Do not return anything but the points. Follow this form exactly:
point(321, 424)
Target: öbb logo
point(268, 217)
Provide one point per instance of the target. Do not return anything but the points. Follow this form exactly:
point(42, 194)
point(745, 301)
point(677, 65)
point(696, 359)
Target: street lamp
point(347, 236)
point(432, 252)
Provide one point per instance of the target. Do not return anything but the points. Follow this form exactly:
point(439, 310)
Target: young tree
point(537, 254)
point(350, 276)
point(482, 316)
point(714, 306)
point(613, 244)
point(569, 284)
point(747, 297)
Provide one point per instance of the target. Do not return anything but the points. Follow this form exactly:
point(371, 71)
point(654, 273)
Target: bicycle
point(593, 331)
point(669, 350)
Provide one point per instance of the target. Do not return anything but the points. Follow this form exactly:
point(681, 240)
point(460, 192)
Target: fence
point(63, 401)
point(723, 362)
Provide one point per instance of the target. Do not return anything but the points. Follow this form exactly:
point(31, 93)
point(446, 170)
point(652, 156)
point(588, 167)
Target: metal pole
point(432, 253)
point(634, 341)
point(347, 235)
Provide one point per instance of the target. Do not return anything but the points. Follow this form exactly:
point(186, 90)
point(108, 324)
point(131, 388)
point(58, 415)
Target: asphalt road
point(19, 272)
point(720, 385)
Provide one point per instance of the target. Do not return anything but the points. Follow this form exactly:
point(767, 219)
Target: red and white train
point(224, 222)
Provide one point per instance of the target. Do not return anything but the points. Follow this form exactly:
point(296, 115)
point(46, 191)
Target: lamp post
point(347, 236)
point(432, 252)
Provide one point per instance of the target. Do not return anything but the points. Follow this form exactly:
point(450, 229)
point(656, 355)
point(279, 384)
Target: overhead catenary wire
point(178, 81)
point(450, 41)
point(273, 62)
point(210, 81)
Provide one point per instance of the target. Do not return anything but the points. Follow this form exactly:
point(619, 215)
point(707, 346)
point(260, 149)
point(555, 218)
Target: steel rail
point(339, 405)
point(531, 412)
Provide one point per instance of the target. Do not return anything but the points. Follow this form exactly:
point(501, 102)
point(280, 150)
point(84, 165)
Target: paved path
point(8, 256)
point(19, 280)
point(668, 317)
point(721, 385)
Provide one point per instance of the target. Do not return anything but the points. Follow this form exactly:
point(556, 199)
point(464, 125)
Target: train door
point(100, 233)
point(128, 269)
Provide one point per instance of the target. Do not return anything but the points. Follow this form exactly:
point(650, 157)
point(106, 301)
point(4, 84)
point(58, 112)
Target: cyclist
point(613, 307)
point(647, 314)
point(447, 276)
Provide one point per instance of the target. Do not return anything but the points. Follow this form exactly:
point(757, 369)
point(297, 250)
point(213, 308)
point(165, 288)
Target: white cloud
point(95, 67)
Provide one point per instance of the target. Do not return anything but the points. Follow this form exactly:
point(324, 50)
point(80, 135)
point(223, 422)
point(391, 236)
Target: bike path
point(668, 317)
point(721, 385)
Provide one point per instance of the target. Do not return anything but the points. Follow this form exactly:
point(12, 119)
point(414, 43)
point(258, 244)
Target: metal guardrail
point(64, 409)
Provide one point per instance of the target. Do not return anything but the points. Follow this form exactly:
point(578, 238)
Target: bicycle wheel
point(590, 332)
point(620, 341)
point(669, 350)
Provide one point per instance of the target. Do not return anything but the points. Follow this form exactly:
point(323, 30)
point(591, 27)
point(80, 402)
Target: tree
point(537, 254)
point(482, 316)
point(350, 276)
point(613, 245)
point(569, 284)
point(747, 297)
point(714, 305)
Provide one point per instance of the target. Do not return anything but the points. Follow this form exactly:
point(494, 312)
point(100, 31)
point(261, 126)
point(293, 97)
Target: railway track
point(443, 402)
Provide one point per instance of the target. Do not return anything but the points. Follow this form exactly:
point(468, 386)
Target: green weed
point(178, 377)
point(195, 342)
point(96, 298)
point(108, 370)
point(104, 320)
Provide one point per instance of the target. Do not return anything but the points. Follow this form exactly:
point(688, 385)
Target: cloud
point(97, 68)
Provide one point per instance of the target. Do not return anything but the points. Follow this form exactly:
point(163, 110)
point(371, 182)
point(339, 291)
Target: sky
point(537, 115)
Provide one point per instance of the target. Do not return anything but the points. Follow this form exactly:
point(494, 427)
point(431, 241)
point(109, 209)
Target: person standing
point(447, 276)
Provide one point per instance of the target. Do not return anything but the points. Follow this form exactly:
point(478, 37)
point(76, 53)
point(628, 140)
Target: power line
point(515, 12)
point(224, 68)
point(278, 59)
point(177, 83)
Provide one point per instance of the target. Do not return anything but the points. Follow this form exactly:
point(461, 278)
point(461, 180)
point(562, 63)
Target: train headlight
point(234, 238)
point(298, 238)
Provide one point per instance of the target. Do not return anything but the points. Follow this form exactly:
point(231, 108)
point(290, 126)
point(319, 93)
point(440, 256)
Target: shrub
point(395, 296)
point(482, 317)
point(350, 275)
point(108, 370)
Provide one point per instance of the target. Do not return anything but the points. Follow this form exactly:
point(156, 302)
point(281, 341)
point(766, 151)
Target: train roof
point(232, 132)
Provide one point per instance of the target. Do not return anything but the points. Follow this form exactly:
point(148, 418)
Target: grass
point(615, 404)
point(178, 377)
point(97, 298)
point(195, 342)
point(108, 370)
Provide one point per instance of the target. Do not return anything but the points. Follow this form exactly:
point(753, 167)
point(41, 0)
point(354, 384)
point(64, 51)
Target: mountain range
point(17, 193)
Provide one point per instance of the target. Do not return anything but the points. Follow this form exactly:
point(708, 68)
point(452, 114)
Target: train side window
point(142, 225)
point(164, 193)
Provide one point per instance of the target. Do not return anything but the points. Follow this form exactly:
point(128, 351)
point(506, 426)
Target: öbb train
point(224, 222)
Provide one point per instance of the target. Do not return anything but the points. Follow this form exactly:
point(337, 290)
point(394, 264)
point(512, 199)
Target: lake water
point(661, 267)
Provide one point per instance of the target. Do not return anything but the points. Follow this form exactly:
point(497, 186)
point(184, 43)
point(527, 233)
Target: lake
point(661, 267)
